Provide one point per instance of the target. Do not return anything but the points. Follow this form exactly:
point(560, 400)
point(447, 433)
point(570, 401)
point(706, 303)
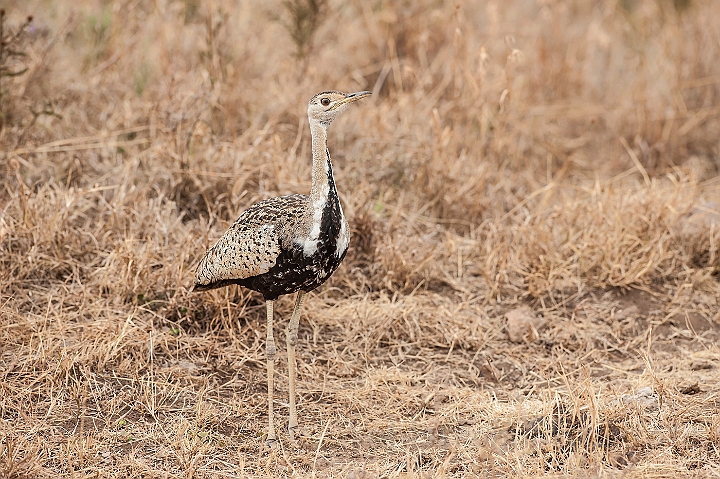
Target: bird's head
point(326, 106)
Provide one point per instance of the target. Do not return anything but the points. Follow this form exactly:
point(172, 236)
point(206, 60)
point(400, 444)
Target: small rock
point(643, 398)
point(625, 313)
point(523, 325)
point(701, 217)
point(3, 229)
point(691, 389)
point(185, 364)
point(700, 365)
point(622, 460)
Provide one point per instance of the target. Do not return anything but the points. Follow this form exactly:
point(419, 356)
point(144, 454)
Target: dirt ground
point(532, 283)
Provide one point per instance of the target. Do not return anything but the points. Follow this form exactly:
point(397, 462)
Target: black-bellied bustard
point(287, 244)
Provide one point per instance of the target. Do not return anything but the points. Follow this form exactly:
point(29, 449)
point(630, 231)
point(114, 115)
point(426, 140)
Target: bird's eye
point(325, 101)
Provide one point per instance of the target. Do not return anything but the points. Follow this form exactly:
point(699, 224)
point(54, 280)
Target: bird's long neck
point(324, 200)
point(323, 183)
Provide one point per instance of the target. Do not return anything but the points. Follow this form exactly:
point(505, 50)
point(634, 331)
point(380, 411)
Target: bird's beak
point(351, 97)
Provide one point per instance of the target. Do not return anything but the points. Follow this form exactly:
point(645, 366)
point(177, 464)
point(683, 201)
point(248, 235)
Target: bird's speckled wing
point(250, 247)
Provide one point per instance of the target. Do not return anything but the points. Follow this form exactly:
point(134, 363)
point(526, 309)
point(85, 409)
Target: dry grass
point(557, 155)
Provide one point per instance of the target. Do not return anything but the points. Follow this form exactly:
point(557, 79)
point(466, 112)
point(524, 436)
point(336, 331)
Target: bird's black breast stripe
point(293, 271)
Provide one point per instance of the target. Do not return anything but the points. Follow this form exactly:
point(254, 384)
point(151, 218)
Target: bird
point(287, 244)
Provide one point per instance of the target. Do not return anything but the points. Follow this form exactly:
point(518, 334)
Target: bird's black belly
point(293, 271)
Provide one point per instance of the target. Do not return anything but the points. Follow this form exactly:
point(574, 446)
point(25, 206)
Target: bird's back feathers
point(251, 246)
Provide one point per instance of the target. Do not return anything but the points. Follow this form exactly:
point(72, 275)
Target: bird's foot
point(271, 442)
point(291, 431)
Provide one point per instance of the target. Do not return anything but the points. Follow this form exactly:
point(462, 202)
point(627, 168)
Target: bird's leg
point(291, 338)
point(270, 347)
